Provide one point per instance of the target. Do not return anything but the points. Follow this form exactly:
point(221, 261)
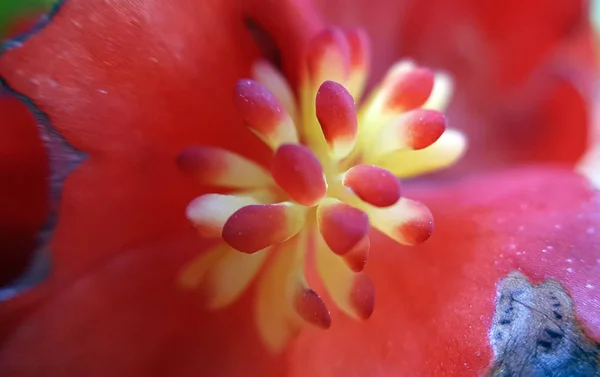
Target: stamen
point(255, 227)
point(333, 176)
point(224, 272)
point(210, 212)
point(416, 129)
point(328, 57)
point(373, 184)
point(269, 76)
point(356, 259)
point(406, 90)
point(441, 94)
point(312, 309)
point(445, 152)
point(264, 114)
point(337, 116)
point(360, 54)
point(351, 292)
point(218, 167)
point(299, 173)
point(343, 227)
point(283, 302)
point(407, 222)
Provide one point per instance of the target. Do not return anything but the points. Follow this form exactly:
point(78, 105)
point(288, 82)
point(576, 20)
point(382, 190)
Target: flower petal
point(542, 222)
point(24, 174)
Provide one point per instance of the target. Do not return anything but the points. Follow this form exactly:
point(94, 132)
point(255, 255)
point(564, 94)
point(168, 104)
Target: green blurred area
point(11, 10)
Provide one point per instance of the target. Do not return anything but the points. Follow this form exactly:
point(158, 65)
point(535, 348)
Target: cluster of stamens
point(334, 174)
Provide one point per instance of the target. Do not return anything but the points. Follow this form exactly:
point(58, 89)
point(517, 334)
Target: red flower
point(128, 86)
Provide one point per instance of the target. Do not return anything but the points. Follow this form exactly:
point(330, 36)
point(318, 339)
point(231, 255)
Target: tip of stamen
point(255, 227)
point(312, 309)
point(408, 89)
point(408, 222)
point(362, 296)
point(264, 114)
point(357, 258)
point(342, 226)
point(424, 127)
point(298, 172)
point(337, 115)
point(373, 184)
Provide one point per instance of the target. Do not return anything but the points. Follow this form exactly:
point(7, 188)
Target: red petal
point(134, 84)
point(133, 313)
point(545, 223)
point(24, 190)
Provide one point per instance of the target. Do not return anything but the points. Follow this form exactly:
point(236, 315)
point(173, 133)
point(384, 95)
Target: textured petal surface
point(133, 99)
point(130, 312)
point(435, 302)
point(132, 84)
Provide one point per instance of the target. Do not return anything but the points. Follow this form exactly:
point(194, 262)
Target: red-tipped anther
point(416, 129)
point(373, 184)
point(358, 256)
point(342, 226)
point(360, 54)
point(416, 231)
point(408, 222)
point(312, 309)
point(362, 296)
point(216, 166)
point(337, 116)
point(328, 57)
point(255, 227)
point(264, 114)
point(407, 89)
point(299, 173)
point(421, 128)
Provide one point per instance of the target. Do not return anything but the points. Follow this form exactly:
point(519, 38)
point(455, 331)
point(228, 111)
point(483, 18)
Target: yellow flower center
point(334, 175)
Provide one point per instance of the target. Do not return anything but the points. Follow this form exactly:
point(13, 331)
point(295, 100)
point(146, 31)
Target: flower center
point(334, 175)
